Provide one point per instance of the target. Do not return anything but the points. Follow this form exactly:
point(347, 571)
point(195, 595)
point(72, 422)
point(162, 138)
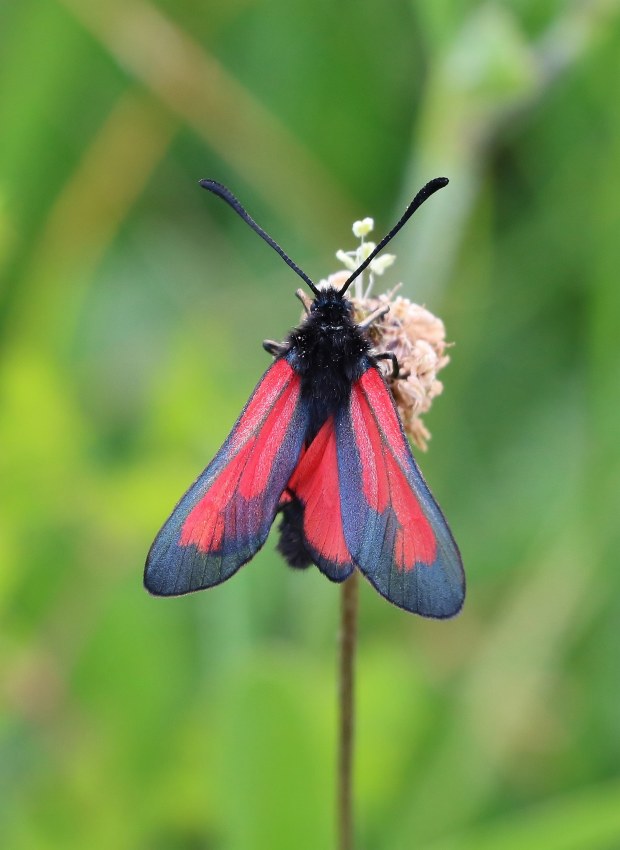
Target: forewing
point(225, 516)
point(393, 526)
point(316, 485)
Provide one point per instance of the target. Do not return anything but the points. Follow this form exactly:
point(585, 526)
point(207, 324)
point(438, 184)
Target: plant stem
point(348, 639)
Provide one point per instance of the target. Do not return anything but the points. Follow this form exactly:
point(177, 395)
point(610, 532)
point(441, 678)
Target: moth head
point(331, 306)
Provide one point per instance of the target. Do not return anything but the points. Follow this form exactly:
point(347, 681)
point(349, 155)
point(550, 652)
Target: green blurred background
point(133, 309)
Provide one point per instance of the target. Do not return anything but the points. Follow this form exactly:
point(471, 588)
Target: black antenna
point(226, 195)
point(425, 192)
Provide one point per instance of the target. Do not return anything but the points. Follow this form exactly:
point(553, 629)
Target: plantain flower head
point(409, 331)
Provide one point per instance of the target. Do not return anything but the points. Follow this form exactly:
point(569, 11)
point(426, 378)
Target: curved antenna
point(424, 194)
point(226, 195)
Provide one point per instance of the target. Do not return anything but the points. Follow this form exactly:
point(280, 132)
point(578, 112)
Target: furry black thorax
point(329, 352)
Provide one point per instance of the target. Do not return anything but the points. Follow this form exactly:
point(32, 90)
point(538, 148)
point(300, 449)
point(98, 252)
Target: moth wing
point(315, 486)
point(225, 516)
point(393, 526)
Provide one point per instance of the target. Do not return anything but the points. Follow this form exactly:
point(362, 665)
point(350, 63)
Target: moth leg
point(376, 314)
point(272, 347)
point(389, 355)
point(307, 302)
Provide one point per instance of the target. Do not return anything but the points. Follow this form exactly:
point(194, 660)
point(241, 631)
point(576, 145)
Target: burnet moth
point(320, 442)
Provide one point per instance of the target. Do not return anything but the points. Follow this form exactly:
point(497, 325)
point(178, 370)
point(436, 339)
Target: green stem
point(348, 639)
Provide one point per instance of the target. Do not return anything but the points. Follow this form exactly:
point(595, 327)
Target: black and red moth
point(321, 443)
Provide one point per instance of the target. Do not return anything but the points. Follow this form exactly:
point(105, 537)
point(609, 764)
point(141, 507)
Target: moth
point(319, 442)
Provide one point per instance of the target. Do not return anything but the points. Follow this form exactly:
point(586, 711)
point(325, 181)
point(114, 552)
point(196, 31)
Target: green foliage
point(132, 310)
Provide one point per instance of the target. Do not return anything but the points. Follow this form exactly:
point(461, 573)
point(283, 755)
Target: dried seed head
point(418, 339)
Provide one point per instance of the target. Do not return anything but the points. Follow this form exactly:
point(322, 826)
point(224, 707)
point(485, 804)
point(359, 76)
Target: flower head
point(363, 228)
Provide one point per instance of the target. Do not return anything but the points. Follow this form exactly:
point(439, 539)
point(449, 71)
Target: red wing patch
point(316, 484)
point(384, 481)
point(372, 386)
point(246, 474)
point(276, 380)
